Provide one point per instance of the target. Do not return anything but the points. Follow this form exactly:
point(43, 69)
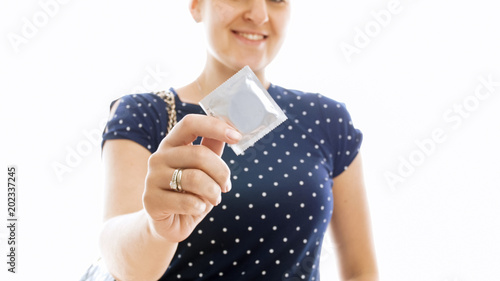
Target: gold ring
point(175, 183)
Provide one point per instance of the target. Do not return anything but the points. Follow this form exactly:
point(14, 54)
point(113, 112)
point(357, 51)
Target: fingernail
point(233, 134)
point(228, 185)
point(219, 200)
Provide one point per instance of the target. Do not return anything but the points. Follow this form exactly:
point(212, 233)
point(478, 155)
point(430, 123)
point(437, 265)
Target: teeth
point(250, 36)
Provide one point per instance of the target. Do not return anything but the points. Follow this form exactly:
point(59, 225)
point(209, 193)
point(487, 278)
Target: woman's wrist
point(131, 248)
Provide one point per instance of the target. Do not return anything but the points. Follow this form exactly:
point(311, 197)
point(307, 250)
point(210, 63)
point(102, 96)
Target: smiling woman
point(233, 42)
point(260, 215)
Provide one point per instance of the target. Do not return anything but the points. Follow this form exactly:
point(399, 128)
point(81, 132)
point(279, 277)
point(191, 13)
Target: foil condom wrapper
point(244, 103)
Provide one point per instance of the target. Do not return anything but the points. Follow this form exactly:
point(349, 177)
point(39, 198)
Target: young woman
point(258, 216)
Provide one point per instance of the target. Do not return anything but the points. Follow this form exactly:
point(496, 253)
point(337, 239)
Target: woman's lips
point(251, 36)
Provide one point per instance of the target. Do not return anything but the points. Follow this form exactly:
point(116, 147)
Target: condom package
point(244, 103)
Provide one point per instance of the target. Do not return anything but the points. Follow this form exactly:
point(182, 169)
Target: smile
point(251, 36)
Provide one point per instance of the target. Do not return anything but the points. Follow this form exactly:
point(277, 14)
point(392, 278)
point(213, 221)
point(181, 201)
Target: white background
point(440, 222)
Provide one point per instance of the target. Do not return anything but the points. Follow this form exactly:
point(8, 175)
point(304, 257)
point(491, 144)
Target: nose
point(257, 12)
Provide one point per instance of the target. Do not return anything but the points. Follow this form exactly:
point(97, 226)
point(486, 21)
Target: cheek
point(283, 22)
point(281, 28)
point(222, 11)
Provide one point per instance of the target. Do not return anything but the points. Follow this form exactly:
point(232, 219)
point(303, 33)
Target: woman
point(257, 216)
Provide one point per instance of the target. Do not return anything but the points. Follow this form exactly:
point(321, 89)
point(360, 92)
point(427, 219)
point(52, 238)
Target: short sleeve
point(140, 118)
point(344, 137)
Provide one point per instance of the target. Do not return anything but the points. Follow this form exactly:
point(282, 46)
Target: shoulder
point(138, 117)
point(141, 100)
point(322, 120)
point(141, 106)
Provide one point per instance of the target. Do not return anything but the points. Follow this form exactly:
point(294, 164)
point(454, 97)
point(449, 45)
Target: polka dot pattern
point(271, 225)
point(138, 117)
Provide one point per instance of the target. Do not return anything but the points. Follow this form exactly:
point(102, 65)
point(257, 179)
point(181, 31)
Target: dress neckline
point(197, 106)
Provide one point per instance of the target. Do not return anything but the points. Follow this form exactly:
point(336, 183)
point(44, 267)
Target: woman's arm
point(145, 218)
point(351, 226)
point(128, 246)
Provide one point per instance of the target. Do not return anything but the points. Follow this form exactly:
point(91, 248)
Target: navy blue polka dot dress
point(271, 225)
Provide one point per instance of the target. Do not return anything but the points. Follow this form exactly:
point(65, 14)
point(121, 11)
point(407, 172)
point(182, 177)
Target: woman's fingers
point(196, 125)
point(198, 183)
point(205, 175)
point(215, 132)
point(201, 158)
point(193, 182)
point(216, 146)
point(178, 203)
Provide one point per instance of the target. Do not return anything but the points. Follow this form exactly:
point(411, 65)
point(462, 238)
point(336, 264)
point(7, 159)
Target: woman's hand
point(173, 215)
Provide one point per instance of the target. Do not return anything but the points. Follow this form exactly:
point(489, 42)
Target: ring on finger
point(175, 183)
